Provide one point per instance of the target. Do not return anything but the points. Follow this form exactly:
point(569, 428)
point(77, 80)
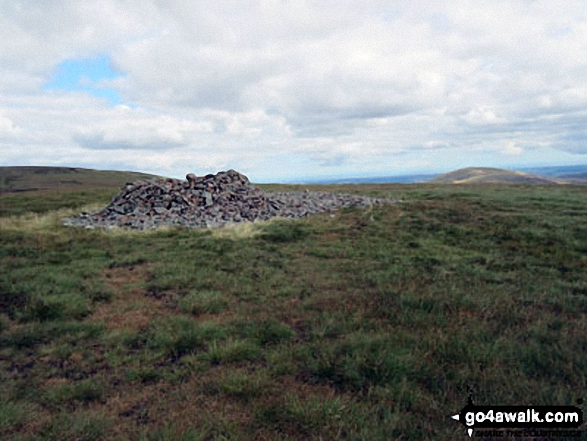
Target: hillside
point(397, 179)
point(576, 178)
point(483, 175)
point(360, 325)
point(41, 179)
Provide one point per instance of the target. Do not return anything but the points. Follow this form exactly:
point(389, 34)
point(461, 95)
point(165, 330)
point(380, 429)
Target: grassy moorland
point(363, 325)
point(41, 189)
point(15, 204)
point(34, 179)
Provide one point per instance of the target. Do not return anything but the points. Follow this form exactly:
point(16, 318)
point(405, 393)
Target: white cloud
point(512, 149)
point(344, 85)
point(483, 115)
point(7, 127)
point(124, 128)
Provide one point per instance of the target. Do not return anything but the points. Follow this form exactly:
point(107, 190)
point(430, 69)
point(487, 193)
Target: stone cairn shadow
point(209, 201)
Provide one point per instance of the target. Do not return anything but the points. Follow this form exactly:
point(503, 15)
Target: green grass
point(366, 325)
point(63, 179)
point(200, 302)
point(83, 391)
point(43, 202)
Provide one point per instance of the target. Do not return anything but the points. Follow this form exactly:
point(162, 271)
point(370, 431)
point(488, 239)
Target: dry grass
point(130, 307)
point(238, 231)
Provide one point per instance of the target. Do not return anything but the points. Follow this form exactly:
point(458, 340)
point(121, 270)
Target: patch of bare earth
point(131, 306)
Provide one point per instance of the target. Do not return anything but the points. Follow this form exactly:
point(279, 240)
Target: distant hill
point(576, 178)
point(403, 179)
point(34, 179)
point(482, 175)
point(576, 174)
point(555, 171)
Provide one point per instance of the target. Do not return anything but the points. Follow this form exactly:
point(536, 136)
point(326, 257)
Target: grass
point(62, 179)
point(200, 302)
point(362, 325)
point(44, 202)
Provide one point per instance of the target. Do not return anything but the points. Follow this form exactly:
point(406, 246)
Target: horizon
point(334, 179)
point(290, 91)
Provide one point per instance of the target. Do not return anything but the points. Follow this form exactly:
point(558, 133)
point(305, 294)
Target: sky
point(288, 90)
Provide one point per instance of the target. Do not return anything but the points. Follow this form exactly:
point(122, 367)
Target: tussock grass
point(199, 302)
point(245, 230)
point(32, 222)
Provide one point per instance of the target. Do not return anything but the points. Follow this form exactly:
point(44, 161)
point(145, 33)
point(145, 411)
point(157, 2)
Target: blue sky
point(284, 91)
point(84, 75)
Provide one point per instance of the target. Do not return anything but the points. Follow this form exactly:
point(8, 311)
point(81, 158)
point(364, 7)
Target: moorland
point(360, 324)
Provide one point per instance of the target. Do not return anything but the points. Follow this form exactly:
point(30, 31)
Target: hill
point(40, 189)
point(576, 178)
point(401, 179)
point(34, 179)
point(576, 174)
point(485, 175)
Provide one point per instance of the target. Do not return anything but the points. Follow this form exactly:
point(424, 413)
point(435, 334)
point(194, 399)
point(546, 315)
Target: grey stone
point(212, 200)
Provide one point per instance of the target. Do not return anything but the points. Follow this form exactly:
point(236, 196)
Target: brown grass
point(131, 308)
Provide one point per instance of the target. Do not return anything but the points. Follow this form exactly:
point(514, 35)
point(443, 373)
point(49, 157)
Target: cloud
point(127, 129)
point(573, 143)
point(483, 115)
point(353, 72)
point(340, 85)
point(7, 127)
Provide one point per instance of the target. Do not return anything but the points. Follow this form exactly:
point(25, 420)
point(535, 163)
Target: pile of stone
point(209, 201)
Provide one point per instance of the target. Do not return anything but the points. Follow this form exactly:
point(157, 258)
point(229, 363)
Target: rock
point(208, 198)
point(190, 177)
point(211, 200)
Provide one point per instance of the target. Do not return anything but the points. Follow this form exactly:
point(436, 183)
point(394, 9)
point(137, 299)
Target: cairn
point(207, 201)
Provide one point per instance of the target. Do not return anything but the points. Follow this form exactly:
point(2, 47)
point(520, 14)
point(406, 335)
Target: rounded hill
point(487, 175)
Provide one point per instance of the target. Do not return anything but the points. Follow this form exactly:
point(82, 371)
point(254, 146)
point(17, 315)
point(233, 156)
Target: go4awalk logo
point(536, 420)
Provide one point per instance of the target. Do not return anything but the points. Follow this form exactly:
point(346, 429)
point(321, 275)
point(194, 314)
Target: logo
point(537, 420)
